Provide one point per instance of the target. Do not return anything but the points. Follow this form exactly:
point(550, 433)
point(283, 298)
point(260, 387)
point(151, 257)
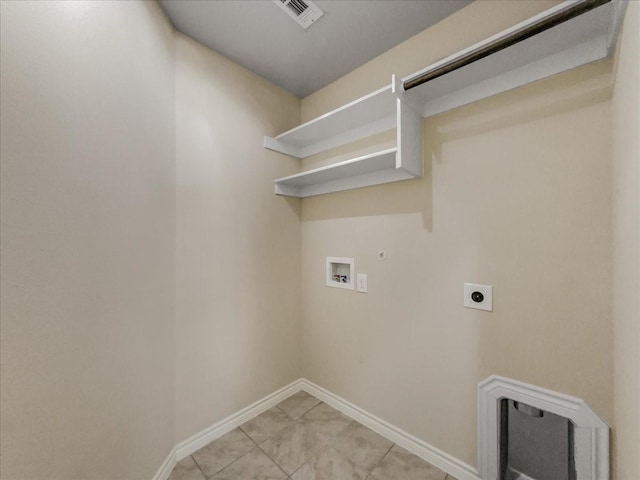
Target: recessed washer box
point(340, 272)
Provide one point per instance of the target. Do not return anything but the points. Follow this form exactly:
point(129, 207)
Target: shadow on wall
point(530, 103)
point(588, 85)
point(546, 225)
point(516, 194)
point(407, 196)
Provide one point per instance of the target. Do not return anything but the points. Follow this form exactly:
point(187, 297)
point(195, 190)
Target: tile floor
point(303, 438)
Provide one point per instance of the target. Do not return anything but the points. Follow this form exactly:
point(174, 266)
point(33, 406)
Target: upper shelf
point(584, 39)
point(400, 163)
point(371, 114)
point(581, 40)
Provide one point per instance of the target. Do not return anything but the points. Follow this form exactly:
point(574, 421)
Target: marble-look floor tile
point(400, 464)
point(186, 469)
point(326, 421)
point(221, 452)
point(324, 412)
point(329, 465)
point(293, 446)
point(298, 404)
point(254, 465)
point(362, 445)
point(266, 425)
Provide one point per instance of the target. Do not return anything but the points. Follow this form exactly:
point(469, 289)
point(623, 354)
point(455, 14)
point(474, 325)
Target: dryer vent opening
point(527, 432)
point(534, 443)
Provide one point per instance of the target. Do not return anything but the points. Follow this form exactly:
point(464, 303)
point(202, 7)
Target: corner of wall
point(626, 248)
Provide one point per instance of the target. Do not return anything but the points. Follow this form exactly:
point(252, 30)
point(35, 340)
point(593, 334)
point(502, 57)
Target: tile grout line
point(197, 465)
point(328, 445)
point(266, 454)
point(381, 459)
point(299, 418)
point(255, 445)
point(262, 450)
point(294, 420)
point(223, 468)
point(302, 414)
point(234, 461)
point(274, 462)
point(242, 430)
point(320, 402)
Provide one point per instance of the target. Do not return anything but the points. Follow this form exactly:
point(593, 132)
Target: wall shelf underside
point(373, 169)
point(584, 39)
point(366, 116)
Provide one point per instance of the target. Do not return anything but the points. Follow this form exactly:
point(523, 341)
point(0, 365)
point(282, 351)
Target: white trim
point(619, 9)
point(562, 61)
point(202, 438)
point(498, 36)
point(409, 134)
point(280, 147)
point(372, 169)
point(431, 454)
point(591, 433)
point(361, 118)
point(167, 466)
point(580, 41)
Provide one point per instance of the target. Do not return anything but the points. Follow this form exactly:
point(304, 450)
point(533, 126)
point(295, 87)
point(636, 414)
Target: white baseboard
point(167, 466)
point(202, 438)
point(440, 459)
point(431, 454)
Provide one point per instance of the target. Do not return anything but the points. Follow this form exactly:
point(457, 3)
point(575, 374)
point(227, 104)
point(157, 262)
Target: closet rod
point(500, 44)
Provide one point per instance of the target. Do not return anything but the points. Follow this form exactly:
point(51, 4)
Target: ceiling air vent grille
point(304, 12)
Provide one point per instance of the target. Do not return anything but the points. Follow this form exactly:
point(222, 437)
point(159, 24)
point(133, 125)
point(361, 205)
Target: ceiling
point(260, 36)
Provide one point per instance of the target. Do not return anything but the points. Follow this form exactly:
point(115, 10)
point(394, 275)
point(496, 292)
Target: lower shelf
point(373, 169)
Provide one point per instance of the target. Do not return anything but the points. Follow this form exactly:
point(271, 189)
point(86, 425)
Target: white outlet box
point(479, 297)
point(361, 284)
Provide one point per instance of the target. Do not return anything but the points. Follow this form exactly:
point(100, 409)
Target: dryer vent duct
point(304, 12)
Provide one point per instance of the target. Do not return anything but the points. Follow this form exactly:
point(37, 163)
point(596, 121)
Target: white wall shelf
point(366, 116)
point(400, 163)
point(379, 167)
point(584, 39)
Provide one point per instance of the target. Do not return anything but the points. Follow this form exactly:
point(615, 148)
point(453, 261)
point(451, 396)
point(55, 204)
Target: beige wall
point(88, 240)
point(517, 194)
point(238, 245)
point(125, 330)
point(626, 249)
point(151, 279)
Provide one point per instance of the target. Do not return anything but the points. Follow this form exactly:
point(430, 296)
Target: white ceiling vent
point(304, 12)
